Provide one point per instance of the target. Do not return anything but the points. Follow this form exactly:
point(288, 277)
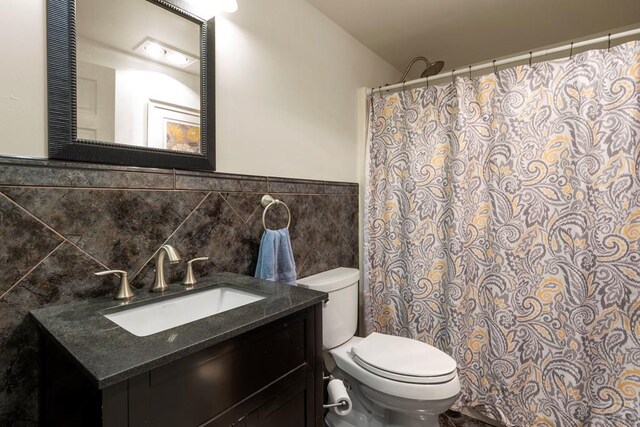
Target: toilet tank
point(340, 313)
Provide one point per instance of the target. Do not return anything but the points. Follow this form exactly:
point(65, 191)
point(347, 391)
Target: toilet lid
point(403, 359)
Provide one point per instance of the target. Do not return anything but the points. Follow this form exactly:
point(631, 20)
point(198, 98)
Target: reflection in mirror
point(138, 75)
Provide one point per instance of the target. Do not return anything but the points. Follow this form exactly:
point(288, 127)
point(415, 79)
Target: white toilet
point(392, 381)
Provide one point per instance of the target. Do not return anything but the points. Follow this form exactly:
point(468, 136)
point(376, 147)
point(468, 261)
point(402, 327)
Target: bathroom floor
point(456, 419)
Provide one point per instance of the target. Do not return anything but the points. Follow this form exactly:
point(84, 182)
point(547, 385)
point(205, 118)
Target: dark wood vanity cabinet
point(269, 376)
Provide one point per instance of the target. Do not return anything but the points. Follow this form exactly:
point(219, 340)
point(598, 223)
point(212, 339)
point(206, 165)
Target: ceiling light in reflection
point(176, 58)
point(154, 50)
point(163, 53)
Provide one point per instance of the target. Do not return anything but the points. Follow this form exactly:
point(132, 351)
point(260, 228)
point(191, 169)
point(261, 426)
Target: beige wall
point(22, 78)
point(286, 79)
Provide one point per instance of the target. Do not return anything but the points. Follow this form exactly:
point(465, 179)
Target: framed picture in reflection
point(173, 127)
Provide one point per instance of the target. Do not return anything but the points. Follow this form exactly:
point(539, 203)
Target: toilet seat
point(345, 360)
point(403, 359)
point(405, 378)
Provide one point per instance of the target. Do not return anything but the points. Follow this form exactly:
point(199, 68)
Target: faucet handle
point(189, 277)
point(124, 291)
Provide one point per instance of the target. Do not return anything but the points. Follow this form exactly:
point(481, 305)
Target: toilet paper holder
point(332, 405)
point(339, 400)
point(335, 405)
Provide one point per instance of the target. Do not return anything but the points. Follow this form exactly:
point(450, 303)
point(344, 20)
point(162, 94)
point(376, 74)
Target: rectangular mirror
point(130, 83)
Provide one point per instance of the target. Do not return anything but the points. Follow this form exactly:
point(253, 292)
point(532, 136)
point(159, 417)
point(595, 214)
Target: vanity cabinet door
point(201, 386)
point(264, 377)
point(285, 409)
point(242, 422)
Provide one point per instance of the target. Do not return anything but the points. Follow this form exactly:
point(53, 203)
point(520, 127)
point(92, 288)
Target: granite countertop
point(110, 354)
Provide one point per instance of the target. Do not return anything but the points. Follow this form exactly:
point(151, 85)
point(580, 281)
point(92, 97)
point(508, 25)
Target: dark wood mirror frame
point(61, 87)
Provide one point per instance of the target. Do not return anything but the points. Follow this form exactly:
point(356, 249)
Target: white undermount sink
point(157, 317)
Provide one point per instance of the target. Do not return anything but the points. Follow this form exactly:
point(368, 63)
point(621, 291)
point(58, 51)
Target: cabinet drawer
point(197, 388)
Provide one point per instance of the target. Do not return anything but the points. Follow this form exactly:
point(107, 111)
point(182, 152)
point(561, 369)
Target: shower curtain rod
point(496, 63)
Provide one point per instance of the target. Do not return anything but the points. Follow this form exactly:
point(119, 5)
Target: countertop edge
point(64, 349)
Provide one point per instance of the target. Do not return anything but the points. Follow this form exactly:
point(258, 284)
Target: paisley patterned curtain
point(503, 227)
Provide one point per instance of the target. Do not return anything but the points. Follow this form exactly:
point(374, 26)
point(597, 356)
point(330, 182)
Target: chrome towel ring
point(268, 201)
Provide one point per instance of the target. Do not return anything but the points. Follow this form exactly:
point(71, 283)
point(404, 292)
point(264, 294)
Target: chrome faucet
point(161, 284)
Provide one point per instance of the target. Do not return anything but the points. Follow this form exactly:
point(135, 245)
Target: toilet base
point(372, 408)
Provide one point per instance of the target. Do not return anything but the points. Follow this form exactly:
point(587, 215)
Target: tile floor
point(456, 419)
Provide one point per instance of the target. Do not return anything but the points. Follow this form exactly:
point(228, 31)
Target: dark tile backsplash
point(61, 221)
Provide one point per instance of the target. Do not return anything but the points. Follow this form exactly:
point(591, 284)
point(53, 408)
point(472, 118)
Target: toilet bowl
point(392, 381)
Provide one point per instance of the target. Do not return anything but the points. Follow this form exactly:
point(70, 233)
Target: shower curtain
point(502, 225)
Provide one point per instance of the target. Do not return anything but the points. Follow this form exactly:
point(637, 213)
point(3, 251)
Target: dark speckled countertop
point(110, 354)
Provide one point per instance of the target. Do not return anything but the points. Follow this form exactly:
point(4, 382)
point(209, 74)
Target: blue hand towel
point(275, 258)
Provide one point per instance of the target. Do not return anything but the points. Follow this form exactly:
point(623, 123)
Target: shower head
point(431, 68)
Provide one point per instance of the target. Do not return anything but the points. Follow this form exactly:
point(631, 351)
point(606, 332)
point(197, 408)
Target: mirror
point(140, 84)
point(131, 83)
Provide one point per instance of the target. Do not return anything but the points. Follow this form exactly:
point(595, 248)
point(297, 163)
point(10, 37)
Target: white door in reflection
point(96, 102)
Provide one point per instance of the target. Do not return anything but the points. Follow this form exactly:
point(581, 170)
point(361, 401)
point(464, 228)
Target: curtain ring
point(403, 82)
point(495, 67)
point(453, 79)
point(571, 51)
point(469, 71)
point(530, 56)
point(380, 91)
point(609, 43)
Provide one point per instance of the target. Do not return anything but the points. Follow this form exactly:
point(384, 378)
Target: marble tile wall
point(61, 221)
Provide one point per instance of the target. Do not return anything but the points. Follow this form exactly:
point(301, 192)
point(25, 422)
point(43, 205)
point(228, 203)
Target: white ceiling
point(463, 32)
